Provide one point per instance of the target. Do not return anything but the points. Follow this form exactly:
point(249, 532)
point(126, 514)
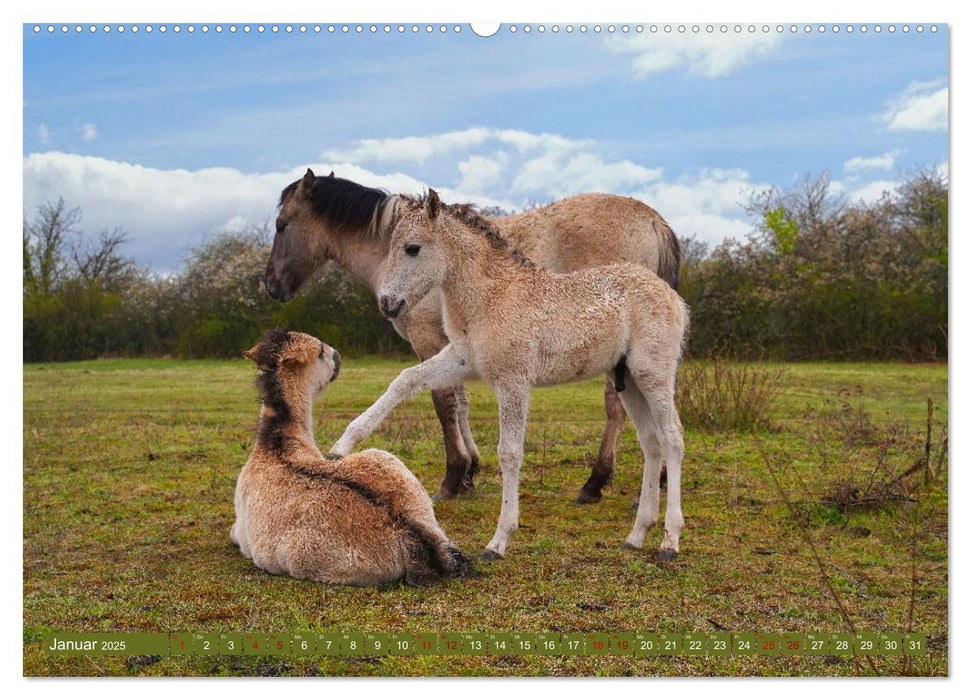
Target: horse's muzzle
point(274, 289)
point(390, 306)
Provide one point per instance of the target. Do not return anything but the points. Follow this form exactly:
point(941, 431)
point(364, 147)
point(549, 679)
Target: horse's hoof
point(665, 554)
point(628, 545)
point(489, 555)
point(585, 497)
point(444, 496)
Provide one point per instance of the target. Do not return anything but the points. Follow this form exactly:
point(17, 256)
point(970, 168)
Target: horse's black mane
point(341, 202)
point(470, 215)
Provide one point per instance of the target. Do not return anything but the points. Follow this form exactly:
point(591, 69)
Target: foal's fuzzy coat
point(363, 519)
point(517, 326)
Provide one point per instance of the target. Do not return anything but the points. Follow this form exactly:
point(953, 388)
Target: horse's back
point(594, 229)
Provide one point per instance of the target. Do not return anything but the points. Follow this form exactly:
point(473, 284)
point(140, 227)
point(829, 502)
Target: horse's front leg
point(443, 370)
point(513, 414)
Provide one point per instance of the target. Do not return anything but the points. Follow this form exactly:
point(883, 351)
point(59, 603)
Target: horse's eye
point(280, 225)
point(412, 249)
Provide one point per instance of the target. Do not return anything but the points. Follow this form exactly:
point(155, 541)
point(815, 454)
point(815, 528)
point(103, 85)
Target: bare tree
point(45, 241)
point(100, 262)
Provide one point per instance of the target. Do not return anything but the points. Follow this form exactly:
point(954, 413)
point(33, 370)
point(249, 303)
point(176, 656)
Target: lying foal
point(363, 519)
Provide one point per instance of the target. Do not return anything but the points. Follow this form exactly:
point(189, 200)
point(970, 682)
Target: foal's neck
point(286, 427)
point(480, 272)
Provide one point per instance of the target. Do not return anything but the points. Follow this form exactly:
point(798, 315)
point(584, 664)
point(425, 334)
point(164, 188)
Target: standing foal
point(517, 326)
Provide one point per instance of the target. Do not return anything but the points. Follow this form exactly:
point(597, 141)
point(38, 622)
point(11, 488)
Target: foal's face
point(296, 252)
point(416, 261)
point(302, 362)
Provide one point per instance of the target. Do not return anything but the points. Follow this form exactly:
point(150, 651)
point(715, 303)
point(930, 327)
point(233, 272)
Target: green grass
point(130, 467)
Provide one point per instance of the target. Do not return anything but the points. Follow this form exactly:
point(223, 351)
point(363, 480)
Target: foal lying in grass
point(363, 519)
point(517, 325)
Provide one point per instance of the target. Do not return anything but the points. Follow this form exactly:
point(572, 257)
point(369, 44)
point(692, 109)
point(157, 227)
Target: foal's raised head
point(293, 365)
point(416, 262)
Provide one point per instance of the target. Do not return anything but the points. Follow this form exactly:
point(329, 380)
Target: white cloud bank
point(702, 55)
point(921, 107)
point(169, 211)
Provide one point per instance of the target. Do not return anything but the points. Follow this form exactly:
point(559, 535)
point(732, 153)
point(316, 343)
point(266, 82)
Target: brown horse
point(329, 218)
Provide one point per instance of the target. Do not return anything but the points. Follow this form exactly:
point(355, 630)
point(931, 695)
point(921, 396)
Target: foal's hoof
point(628, 545)
point(665, 554)
point(444, 496)
point(585, 497)
point(489, 555)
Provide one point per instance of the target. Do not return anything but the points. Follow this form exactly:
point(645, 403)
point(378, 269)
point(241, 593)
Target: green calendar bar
point(349, 644)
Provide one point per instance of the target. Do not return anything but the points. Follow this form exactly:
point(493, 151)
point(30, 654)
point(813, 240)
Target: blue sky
point(173, 136)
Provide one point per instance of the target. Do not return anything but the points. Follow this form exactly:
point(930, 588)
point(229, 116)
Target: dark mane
point(342, 203)
point(469, 215)
point(271, 393)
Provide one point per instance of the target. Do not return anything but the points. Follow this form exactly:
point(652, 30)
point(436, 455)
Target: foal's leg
point(603, 469)
point(513, 414)
point(650, 493)
point(670, 438)
point(443, 370)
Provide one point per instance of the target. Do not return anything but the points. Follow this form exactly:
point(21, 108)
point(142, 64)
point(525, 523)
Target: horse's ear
point(251, 354)
point(331, 174)
point(433, 204)
point(307, 183)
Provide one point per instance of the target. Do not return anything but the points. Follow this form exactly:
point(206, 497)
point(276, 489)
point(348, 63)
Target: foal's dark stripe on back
point(377, 501)
point(342, 203)
point(619, 371)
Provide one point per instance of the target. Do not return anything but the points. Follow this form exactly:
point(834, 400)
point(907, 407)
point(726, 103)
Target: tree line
point(819, 278)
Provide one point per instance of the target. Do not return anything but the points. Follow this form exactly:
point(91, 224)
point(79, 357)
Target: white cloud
point(89, 132)
point(921, 107)
point(420, 148)
point(873, 191)
point(43, 134)
point(480, 173)
point(706, 205)
point(884, 162)
point(558, 174)
point(703, 55)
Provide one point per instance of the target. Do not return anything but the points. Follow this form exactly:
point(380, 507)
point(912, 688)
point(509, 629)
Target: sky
point(174, 136)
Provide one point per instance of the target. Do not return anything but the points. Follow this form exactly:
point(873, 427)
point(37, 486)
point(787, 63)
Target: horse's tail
point(668, 254)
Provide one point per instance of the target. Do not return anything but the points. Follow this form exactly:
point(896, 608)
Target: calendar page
point(420, 348)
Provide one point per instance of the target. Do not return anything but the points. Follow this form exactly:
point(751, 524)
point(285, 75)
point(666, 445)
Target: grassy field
point(130, 467)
